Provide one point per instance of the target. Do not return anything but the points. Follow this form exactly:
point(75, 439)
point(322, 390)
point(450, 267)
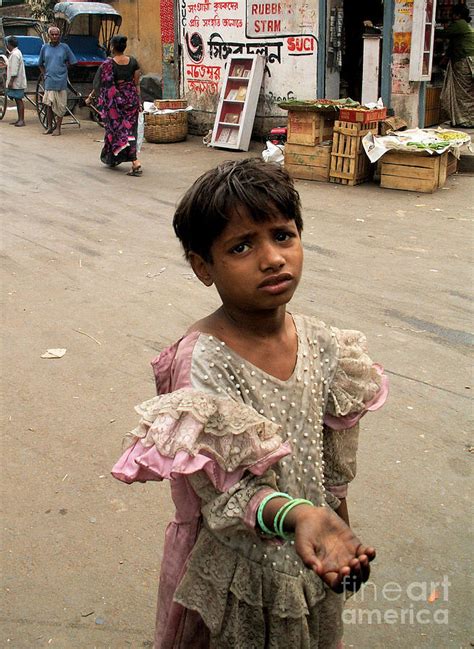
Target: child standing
point(256, 428)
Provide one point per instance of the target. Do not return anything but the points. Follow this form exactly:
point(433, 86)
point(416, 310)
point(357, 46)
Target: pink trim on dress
point(139, 464)
point(350, 420)
point(340, 491)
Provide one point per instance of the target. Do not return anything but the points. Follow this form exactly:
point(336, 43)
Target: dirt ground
point(90, 264)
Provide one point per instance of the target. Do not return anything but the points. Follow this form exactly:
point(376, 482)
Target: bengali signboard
point(283, 32)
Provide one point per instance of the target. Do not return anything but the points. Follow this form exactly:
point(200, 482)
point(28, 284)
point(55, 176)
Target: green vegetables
point(434, 146)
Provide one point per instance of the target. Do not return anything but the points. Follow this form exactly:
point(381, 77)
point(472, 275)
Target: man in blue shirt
point(54, 59)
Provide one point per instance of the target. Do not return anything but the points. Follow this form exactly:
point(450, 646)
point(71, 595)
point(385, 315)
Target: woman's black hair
point(12, 40)
point(119, 43)
point(462, 11)
point(262, 189)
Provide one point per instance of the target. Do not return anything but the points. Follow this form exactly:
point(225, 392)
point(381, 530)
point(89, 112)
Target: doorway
point(355, 15)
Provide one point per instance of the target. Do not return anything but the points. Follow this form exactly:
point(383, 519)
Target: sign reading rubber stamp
point(267, 19)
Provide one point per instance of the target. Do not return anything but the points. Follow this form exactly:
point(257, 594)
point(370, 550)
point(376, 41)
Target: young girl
point(256, 428)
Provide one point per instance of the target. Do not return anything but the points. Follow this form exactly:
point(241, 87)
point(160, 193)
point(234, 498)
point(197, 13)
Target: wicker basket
point(169, 127)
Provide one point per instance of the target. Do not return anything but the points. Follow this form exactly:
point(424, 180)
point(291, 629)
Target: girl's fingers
point(366, 572)
point(369, 552)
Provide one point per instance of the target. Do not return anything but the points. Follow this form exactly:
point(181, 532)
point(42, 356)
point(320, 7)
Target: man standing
point(54, 59)
point(16, 79)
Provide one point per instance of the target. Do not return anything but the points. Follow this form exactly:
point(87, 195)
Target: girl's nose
point(271, 256)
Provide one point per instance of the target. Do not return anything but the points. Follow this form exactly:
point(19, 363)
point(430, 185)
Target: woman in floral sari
point(117, 85)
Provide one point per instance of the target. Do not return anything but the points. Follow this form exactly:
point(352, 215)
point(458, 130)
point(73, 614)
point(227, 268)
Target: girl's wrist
point(279, 513)
point(299, 513)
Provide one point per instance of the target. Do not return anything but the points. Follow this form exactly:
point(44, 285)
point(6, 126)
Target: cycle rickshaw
point(87, 28)
point(31, 35)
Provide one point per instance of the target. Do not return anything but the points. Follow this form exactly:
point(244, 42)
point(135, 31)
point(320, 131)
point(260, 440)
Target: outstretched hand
point(330, 548)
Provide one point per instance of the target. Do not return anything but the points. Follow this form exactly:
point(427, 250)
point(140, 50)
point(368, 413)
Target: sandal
point(135, 171)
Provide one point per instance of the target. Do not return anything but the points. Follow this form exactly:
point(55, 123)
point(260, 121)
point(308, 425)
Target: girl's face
point(255, 266)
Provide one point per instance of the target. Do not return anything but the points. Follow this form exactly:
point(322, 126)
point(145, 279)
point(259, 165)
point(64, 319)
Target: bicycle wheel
point(41, 108)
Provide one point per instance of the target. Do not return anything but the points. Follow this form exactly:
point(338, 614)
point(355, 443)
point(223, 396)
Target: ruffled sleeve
point(187, 431)
point(357, 387)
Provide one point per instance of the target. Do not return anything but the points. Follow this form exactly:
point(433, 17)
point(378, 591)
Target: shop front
point(324, 48)
point(211, 32)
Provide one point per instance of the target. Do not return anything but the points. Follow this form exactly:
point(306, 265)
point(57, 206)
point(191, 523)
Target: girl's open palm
point(330, 548)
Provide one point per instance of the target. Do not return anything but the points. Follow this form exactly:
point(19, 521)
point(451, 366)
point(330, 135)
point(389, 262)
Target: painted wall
point(141, 23)
point(405, 93)
point(284, 31)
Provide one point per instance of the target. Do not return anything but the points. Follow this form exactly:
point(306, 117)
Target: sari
point(119, 105)
point(457, 96)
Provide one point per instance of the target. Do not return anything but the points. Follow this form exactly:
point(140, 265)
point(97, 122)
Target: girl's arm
point(325, 544)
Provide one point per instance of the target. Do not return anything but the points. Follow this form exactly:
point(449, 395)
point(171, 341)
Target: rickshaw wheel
point(3, 94)
point(3, 103)
point(41, 108)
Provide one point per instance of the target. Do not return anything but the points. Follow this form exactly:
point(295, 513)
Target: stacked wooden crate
point(308, 147)
point(413, 171)
point(349, 162)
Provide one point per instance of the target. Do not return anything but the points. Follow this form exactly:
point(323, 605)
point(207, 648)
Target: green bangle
point(261, 507)
point(282, 514)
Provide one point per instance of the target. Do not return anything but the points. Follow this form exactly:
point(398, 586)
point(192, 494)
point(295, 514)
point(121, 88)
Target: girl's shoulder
point(172, 367)
point(315, 332)
point(336, 340)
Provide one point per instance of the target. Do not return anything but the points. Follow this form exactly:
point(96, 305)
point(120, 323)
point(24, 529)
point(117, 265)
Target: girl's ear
point(200, 268)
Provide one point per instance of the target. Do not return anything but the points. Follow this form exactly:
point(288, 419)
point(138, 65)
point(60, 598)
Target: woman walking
point(117, 86)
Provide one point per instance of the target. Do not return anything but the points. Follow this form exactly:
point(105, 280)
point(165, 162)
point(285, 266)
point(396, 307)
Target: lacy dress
point(225, 434)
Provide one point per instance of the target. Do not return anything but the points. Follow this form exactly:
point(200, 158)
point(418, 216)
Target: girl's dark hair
point(119, 43)
point(261, 188)
point(462, 11)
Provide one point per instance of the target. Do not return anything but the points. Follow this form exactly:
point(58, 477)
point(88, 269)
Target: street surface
point(91, 265)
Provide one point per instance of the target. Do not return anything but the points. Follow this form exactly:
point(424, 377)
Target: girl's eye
point(240, 248)
point(283, 235)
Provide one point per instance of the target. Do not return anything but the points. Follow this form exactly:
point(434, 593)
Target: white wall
point(286, 32)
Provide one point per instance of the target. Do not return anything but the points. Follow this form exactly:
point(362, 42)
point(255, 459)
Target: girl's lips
point(277, 284)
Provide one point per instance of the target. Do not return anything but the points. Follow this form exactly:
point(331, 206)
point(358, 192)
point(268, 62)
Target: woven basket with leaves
point(166, 127)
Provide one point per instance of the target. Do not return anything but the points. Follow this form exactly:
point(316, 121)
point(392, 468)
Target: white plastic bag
point(140, 131)
point(273, 153)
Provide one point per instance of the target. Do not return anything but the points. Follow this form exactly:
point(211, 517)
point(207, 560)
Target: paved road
point(90, 264)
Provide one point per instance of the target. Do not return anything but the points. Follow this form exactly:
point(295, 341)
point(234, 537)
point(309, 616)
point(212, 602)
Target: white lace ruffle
point(356, 380)
point(214, 570)
point(232, 433)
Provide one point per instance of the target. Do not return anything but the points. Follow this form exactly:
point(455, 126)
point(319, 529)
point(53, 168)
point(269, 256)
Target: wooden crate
point(309, 127)
point(349, 162)
point(308, 162)
point(432, 106)
point(413, 172)
point(452, 165)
